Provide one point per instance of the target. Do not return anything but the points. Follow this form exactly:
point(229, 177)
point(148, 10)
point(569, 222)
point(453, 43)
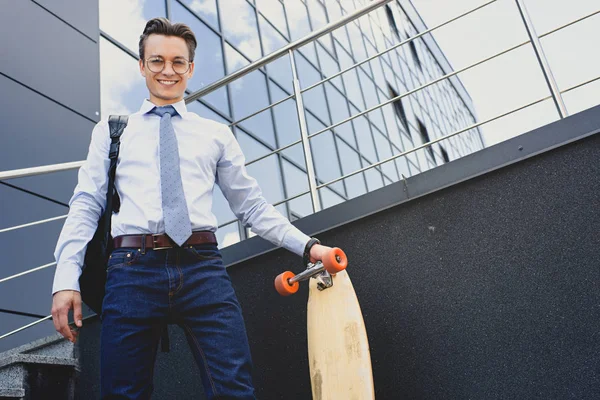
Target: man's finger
point(55, 321)
point(63, 318)
point(77, 313)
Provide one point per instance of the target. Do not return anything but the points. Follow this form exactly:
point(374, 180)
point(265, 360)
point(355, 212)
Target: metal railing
point(555, 95)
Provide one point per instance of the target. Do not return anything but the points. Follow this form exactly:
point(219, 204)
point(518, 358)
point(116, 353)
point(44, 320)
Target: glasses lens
point(180, 66)
point(156, 64)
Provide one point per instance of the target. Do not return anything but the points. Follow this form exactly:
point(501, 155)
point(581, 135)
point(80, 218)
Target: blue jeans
point(187, 286)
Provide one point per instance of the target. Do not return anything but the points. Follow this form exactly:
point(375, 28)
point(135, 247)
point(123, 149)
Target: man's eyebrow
point(158, 55)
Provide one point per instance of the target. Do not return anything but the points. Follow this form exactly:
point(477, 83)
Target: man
point(169, 161)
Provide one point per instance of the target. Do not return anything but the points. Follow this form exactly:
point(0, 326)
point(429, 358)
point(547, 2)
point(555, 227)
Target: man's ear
point(191, 71)
point(142, 69)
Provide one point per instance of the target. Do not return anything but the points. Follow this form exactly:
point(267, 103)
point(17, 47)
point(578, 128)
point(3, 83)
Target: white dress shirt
point(209, 154)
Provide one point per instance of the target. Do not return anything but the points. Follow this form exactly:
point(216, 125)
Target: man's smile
point(167, 82)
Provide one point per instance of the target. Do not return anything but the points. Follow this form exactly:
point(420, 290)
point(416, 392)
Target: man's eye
point(179, 62)
point(156, 61)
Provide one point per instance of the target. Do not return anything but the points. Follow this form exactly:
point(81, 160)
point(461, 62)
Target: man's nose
point(168, 69)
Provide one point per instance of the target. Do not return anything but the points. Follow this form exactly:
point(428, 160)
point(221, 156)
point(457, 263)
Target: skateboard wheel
point(282, 284)
point(335, 261)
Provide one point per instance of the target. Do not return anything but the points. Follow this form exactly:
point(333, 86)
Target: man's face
point(167, 86)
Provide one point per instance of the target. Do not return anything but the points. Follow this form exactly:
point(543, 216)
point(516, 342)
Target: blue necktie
point(175, 212)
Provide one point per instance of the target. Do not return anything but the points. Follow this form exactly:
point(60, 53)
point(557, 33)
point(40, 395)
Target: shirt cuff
point(295, 241)
point(66, 278)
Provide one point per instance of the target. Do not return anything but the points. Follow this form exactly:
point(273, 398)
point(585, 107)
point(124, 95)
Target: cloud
point(118, 76)
point(204, 7)
point(241, 25)
point(118, 71)
point(124, 20)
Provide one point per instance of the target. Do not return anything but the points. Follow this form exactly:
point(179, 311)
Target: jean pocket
point(201, 252)
point(122, 257)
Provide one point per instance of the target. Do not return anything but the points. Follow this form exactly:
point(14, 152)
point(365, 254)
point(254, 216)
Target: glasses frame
point(165, 61)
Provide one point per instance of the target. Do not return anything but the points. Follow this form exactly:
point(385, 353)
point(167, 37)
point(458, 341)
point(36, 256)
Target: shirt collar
point(180, 107)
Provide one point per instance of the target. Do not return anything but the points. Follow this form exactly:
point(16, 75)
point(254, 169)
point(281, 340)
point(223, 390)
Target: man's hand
point(62, 302)
point(317, 252)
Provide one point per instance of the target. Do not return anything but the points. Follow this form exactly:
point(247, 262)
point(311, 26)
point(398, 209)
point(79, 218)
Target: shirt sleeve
point(248, 204)
point(85, 208)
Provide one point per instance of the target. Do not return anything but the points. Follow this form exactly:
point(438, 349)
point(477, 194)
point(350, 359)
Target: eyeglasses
point(157, 64)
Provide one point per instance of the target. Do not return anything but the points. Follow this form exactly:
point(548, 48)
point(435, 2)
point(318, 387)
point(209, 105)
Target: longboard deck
point(338, 348)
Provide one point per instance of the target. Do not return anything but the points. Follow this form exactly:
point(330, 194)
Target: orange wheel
point(335, 261)
point(282, 284)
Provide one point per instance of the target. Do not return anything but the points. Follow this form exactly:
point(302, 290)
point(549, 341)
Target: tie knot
point(161, 111)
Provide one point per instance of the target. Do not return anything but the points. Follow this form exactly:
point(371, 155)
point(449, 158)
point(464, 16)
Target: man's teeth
point(168, 82)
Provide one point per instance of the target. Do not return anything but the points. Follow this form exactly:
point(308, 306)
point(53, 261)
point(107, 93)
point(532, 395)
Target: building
point(228, 41)
point(89, 70)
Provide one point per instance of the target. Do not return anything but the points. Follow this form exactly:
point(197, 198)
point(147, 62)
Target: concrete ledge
point(36, 359)
point(16, 392)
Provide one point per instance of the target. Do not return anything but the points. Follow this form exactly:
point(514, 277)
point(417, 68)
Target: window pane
point(329, 66)
point(209, 57)
point(353, 89)
point(317, 14)
point(324, 154)
point(300, 27)
point(333, 10)
point(307, 74)
point(265, 171)
point(385, 152)
point(365, 27)
point(207, 9)
point(301, 207)
point(374, 179)
point(248, 95)
point(240, 26)
point(286, 122)
point(402, 165)
point(365, 140)
point(337, 102)
point(280, 69)
point(356, 40)
point(296, 180)
point(273, 11)
point(205, 112)
point(319, 19)
point(378, 73)
point(329, 198)
point(297, 18)
point(368, 89)
point(355, 185)
point(122, 88)
point(314, 99)
point(392, 127)
point(125, 22)
point(341, 38)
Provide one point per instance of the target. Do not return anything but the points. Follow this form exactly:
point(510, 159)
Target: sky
point(515, 78)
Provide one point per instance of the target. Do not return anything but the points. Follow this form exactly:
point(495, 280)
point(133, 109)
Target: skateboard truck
point(333, 262)
point(316, 271)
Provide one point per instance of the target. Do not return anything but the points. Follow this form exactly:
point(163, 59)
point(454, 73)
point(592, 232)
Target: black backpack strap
point(116, 125)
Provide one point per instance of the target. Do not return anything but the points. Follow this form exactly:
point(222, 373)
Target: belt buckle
point(154, 243)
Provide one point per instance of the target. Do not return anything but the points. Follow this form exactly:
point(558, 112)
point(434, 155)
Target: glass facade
point(233, 33)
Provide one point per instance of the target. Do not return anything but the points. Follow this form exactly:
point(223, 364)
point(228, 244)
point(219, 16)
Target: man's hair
point(162, 26)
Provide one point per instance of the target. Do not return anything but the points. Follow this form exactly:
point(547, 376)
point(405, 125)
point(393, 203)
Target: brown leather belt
point(162, 241)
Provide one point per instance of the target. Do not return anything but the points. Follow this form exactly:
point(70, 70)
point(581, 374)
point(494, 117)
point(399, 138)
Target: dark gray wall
point(50, 81)
point(487, 289)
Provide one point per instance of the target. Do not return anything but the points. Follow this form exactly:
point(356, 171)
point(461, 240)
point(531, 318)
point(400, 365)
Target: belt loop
point(143, 243)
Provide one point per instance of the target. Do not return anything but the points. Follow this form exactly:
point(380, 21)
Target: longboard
point(338, 347)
